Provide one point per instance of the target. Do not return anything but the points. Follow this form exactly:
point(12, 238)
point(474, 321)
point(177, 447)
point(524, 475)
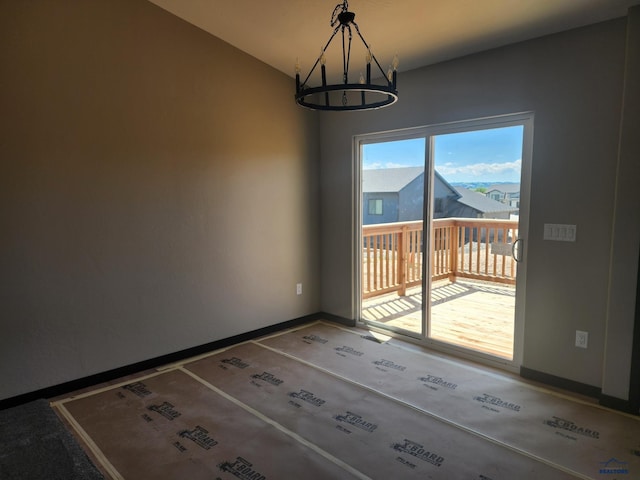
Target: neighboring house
point(392, 195)
point(507, 193)
point(476, 205)
point(396, 195)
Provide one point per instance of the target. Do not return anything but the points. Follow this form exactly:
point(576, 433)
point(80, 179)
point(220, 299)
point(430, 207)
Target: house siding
point(390, 206)
point(411, 200)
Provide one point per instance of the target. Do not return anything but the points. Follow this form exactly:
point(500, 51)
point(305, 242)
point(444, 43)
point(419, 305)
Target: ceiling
point(421, 32)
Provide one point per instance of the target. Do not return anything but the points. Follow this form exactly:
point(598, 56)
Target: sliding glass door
point(441, 252)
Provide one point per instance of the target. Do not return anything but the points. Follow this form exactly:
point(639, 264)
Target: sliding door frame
point(429, 132)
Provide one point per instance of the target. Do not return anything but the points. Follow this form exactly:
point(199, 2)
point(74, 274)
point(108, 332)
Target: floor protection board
point(171, 426)
point(583, 438)
point(375, 434)
point(328, 402)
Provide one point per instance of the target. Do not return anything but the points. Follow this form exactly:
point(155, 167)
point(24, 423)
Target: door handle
point(514, 250)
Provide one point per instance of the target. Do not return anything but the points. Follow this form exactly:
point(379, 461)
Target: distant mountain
point(474, 185)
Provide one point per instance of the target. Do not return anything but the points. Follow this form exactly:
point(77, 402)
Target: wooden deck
point(475, 315)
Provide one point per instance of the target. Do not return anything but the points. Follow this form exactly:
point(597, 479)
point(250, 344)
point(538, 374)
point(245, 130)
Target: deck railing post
point(392, 253)
point(454, 249)
point(403, 239)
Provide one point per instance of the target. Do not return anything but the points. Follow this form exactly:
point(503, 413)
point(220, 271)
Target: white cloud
point(480, 169)
point(379, 165)
point(395, 165)
point(372, 166)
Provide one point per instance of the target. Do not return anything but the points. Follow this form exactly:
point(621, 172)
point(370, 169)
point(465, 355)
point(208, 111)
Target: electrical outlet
point(582, 339)
point(298, 289)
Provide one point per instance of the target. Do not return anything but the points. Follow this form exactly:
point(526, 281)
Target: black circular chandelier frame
point(347, 96)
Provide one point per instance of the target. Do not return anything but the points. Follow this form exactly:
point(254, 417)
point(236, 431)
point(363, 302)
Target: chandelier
point(347, 95)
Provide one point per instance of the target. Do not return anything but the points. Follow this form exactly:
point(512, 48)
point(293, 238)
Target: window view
point(471, 203)
point(375, 206)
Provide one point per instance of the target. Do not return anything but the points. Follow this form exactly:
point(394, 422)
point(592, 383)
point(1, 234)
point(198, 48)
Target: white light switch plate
point(560, 232)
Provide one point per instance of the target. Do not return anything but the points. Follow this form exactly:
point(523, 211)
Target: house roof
point(481, 202)
point(505, 187)
point(389, 180)
point(392, 180)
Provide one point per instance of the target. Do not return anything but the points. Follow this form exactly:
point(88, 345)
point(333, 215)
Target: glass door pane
point(475, 210)
point(393, 180)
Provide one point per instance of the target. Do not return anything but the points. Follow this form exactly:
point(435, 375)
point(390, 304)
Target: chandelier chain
point(336, 12)
point(346, 55)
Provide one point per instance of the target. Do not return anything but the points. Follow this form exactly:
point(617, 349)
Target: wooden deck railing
point(460, 248)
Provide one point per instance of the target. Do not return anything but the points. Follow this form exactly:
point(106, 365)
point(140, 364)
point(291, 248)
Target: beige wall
point(155, 197)
point(158, 190)
point(573, 83)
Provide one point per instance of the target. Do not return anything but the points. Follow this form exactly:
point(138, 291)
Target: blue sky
point(492, 155)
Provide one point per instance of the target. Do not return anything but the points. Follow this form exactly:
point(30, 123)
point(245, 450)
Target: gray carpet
point(35, 445)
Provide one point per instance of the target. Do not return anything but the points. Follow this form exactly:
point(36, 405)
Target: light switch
point(560, 233)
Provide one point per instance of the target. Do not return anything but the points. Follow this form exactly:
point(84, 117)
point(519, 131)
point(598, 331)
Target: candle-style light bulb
point(390, 74)
point(369, 57)
point(361, 79)
point(323, 69)
point(394, 75)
